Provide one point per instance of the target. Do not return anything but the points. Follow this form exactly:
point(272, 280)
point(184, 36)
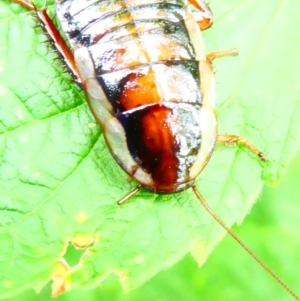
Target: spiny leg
point(25, 3)
point(58, 42)
point(129, 195)
point(216, 54)
point(233, 139)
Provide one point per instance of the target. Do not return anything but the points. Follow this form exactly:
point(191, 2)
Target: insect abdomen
point(139, 63)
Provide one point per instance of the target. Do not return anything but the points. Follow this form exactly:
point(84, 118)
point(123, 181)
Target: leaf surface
point(59, 185)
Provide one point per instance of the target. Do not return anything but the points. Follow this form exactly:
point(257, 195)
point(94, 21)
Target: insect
point(150, 86)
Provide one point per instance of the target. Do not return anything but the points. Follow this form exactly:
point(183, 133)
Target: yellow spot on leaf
point(83, 240)
point(59, 276)
point(3, 91)
point(92, 125)
point(7, 283)
point(81, 217)
point(122, 275)
point(140, 258)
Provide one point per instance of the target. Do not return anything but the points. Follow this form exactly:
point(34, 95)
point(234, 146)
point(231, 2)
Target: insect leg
point(129, 195)
point(233, 139)
point(213, 55)
point(25, 3)
point(58, 42)
point(201, 13)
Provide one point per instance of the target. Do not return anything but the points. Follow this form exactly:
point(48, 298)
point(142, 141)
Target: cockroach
point(150, 86)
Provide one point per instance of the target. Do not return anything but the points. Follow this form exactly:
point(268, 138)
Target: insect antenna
point(25, 3)
point(238, 240)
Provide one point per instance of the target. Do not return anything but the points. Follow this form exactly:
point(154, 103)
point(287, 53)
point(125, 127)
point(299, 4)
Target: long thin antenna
point(238, 240)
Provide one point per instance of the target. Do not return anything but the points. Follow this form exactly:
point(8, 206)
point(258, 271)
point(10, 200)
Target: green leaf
point(59, 184)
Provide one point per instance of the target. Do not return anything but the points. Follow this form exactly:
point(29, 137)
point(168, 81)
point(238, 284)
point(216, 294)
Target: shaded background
point(271, 230)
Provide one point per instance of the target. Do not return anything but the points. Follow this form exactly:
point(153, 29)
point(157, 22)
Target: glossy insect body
point(148, 83)
point(150, 86)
